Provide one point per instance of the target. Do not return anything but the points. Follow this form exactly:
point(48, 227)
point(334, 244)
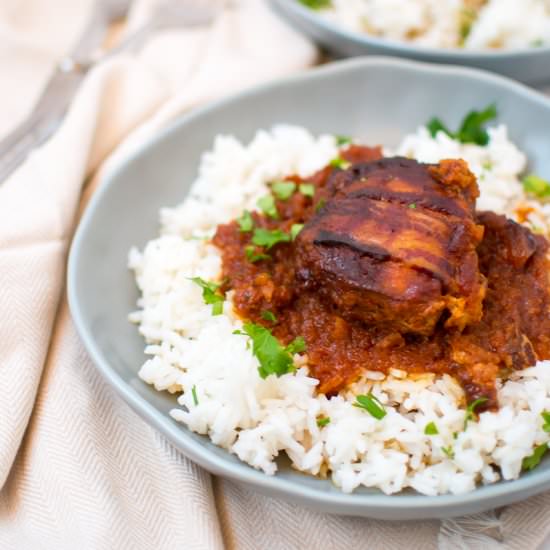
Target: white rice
point(221, 394)
point(438, 23)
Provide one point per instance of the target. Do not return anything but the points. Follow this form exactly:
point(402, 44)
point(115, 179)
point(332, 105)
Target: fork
point(53, 104)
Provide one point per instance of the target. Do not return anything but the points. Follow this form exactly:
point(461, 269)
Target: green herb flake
point(530, 462)
point(412, 206)
point(340, 163)
point(535, 185)
point(342, 140)
point(194, 394)
point(269, 316)
point(307, 189)
point(253, 256)
point(298, 345)
point(487, 165)
point(283, 190)
point(210, 295)
point(472, 128)
point(320, 205)
point(448, 451)
point(267, 238)
point(323, 421)
point(470, 410)
point(371, 404)
point(316, 4)
point(431, 429)
point(467, 19)
point(267, 206)
point(295, 229)
point(246, 222)
point(435, 125)
point(546, 417)
point(273, 357)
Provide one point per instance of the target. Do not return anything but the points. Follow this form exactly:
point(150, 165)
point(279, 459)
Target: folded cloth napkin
point(78, 469)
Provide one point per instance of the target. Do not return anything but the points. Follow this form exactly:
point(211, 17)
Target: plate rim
point(361, 504)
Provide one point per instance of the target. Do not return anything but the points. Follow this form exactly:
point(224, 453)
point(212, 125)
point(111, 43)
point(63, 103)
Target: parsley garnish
point(320, 205)
point(471, 130)
point(467, 19)
point(530, 462)
point(448, 451)
point(316, 4)
point(267, 206)
point(210, 295)
point(431, 429)
point(342, 140)
point(371, 404)
point(537, 186)
point(246, 222)
point(295, 229)
point(546, 417)
point(267, 238)
point(341, 163)
point(323, 421)
point(269, 316)
point(412, 206)
point(470, 409)
point(253, 256)
point(298, 345)
point(194, 394)
point(283, 190)
point(307, 189)
point(273, 357)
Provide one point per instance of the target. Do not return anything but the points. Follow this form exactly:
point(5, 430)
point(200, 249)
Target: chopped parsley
point(307, 189)
point(431, 429)
point(273, 357)
point(448, 451)
point(534, 185)
point(472, 128)
point(253, 256)
point(320, 205)
point(267, 206)
point(246, 222)
point(371, 404)
point(470, 410)
point(467, 19)
point(530, 462)
point(194, 394)
point(267, 238)
point(316, 4)
point(210, 295)
point(295, 229)
point(412, 206)
point(283, 190)
point(341, 163)
point(269, 316)
point(342, 140)
point(323, 421)
point(546, 417)
point(298, 345)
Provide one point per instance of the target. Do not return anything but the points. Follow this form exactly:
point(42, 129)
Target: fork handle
point(27, 136)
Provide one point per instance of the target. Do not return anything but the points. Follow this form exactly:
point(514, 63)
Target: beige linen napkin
point(78, 469)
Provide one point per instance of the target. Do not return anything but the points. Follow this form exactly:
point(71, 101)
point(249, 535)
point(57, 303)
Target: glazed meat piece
point(395, 246)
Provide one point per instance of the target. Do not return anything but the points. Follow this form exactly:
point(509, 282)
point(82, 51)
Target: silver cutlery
point(51, 108)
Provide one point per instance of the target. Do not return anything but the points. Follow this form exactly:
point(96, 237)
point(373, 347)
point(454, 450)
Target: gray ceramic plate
point(530, 65)
point(377, 99)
